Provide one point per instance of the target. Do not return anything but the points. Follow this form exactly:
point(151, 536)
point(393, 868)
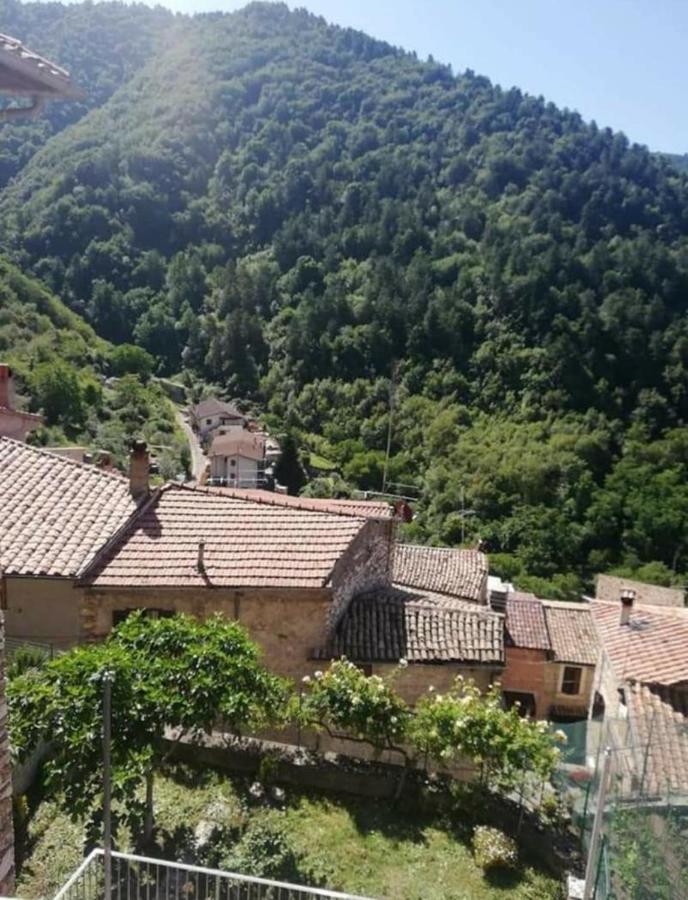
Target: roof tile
point(459, 573)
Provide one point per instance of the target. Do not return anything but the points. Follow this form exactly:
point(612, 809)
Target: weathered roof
point(243, 443)
point(391, 624)
point(25, 73)
point(526, 625)
point(658, 719)
point(571, 632)
point(214, 407)
point(460, 573)
point(56, 513)
point(245, 543)
point(366, 509)
point(652, 647)
point(609, 587)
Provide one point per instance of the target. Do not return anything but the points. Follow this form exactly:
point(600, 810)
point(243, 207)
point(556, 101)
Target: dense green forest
point(293, 211)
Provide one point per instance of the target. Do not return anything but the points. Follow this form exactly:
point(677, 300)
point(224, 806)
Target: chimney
point(138, 469)
point(6, 386)
point(200, 565)
point(627, 600)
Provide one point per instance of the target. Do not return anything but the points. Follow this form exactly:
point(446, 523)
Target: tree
point(128, 359)
point(347, 703)
point(467, 724)
point(289, 471)
point(168, 673)
point(58, 391)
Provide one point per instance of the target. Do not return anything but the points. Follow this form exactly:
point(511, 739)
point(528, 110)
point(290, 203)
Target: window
point(208, 421)
point(571, 680)
point(232, 462)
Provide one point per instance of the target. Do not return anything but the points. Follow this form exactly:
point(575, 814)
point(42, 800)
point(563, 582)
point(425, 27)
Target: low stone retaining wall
point(302, 768)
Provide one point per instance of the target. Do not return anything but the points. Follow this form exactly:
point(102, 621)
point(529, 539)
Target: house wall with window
point(568, 688)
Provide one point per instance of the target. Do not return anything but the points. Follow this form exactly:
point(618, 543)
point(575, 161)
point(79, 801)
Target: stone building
point(551, 652)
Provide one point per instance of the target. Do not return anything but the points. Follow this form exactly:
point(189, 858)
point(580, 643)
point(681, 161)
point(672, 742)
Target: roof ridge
point(293, 502)
point(442, 549)
point(44, 451)
point(419, 604)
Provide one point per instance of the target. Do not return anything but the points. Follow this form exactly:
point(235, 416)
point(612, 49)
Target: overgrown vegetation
point(312, 206)
point(344, 843)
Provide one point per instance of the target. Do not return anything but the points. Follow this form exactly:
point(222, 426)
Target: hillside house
point(14, 423)
point(237, 458)
point(551, 650)
point(641, 695)
point(209, 415)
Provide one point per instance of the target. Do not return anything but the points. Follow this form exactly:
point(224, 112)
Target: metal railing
point(144, 878)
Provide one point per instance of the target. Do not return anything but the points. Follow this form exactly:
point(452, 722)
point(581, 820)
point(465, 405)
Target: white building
point(209, 415)
point(237, 458)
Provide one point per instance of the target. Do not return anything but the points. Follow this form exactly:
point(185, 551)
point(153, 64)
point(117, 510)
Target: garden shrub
point(492, 849)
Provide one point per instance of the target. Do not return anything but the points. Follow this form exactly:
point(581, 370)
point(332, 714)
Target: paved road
point(198, 457)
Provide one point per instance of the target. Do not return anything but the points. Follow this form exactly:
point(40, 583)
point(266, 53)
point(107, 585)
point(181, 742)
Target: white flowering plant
point(466, 723)
point(492, 849)
point(345, 701)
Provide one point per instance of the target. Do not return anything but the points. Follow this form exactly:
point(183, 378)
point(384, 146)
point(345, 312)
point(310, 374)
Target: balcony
point(142, 878)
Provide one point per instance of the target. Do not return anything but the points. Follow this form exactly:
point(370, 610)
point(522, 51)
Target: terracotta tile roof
point(651, 648)
point(571, 632)
point(609, 587)
point(659, 728)
point(24, 72)
point(366, 509)
point(56, 513)
point(243, 443)
point(460, 573)
point(214, 407)
point(246, 543)
point(526, 625)
point(390, 624)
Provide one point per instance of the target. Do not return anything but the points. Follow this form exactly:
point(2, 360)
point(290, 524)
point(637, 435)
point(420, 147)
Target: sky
point(623, 63)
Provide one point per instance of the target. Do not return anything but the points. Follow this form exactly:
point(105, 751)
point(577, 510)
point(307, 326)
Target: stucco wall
point(287, 624)
point(553, 675)
point(43, 609)
point(366, 565)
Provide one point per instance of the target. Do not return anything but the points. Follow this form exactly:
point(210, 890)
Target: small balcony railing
point(143, 878)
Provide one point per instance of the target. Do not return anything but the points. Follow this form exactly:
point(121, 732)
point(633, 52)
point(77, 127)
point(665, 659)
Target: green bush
point(492, 849)
point(264, 850)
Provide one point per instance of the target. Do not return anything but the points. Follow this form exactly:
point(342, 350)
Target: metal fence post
point(107, 784)
point(589, 889)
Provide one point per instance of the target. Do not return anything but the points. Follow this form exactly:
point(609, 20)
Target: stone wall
point(6, 828)
point(366, 565)
point(286, 623)
point(416, 678)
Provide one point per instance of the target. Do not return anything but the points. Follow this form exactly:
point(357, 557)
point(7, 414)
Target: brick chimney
point(138, 469)
point(627, 601)
point(6, 386)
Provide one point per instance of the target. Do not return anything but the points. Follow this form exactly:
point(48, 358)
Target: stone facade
point(366, 565)
point(6, 827)
point(286, 624)
point(413, 681)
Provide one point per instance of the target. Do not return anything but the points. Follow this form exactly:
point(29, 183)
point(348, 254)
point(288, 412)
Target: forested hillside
point(292, 210)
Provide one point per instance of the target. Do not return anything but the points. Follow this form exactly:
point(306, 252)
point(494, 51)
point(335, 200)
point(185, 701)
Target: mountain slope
point(101, 44)
point(289, 208)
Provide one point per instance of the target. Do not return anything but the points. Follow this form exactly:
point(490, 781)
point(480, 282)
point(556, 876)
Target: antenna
point(392, 391)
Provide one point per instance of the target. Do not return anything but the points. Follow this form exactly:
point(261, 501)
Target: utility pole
point(592, 864)
point(107, 783)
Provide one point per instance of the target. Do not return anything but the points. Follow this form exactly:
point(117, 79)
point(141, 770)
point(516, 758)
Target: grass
point(363, 846)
